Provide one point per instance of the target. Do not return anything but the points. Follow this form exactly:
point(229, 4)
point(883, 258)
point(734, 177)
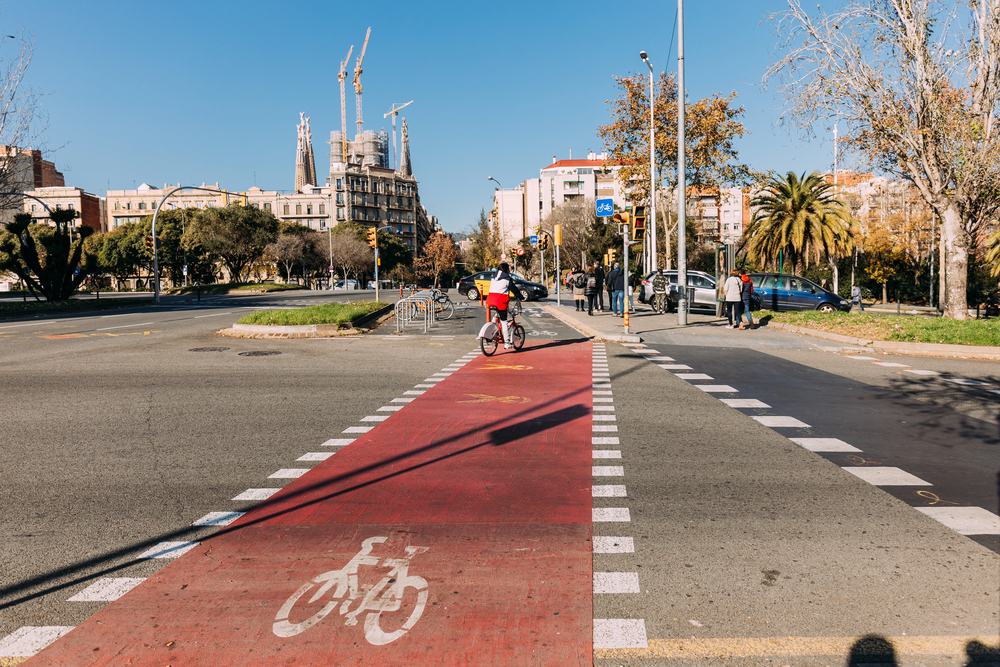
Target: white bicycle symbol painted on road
point(385, 596)
point(535, 332)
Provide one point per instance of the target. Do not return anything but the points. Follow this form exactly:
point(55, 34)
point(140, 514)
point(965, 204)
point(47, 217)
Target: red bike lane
point(460, 526)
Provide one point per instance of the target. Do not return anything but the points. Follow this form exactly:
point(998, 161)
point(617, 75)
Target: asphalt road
point(122, 429)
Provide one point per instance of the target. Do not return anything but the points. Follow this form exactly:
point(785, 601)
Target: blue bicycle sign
point(605, 207)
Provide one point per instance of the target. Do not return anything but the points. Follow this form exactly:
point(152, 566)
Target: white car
point(348, 284)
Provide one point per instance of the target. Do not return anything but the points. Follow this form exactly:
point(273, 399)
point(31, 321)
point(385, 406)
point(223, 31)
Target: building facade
point(22, 170)
point(91, 208)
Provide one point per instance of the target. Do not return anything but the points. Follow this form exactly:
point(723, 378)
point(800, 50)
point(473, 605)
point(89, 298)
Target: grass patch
point(328, 313)
point(903, 328)
point(226, 288)
point(18, 308)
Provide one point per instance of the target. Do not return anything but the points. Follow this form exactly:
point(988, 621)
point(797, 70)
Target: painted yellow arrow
point(486, 398)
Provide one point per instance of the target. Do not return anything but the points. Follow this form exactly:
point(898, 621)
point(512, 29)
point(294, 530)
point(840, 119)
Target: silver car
point(703, 284)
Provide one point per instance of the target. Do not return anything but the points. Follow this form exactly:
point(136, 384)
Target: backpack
point(591, 282)
point(581, 281)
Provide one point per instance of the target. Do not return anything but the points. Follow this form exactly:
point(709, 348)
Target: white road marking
point(965, 520)
point(886, 476)
point(616, 582)
point(604, 428)
point(357, 429)
point(288, 473)
point(661, 359)
point(256, 494)
point(125, 326)
point(824, 445)
point(218, 519)
point(337, 442)
point(601, 386)
point(608, 471)
point(602, 393)
point(607, 408)
point(404, 400)
point(411, 392)
point(717, 388)
point(605, 418)
point(107, 589)
point(315, 456)
point(28, 640)
point(675, 367)
point(694, 376)
point(620, 633)
point(604, 544)
point(390, 408)
point(968, 383)
point(608, 491)
point(850, 356)
point(917, 371)
point(781, 422)
point(441, 375)
point(35, 324)
point(196, 317)
point(611, 514)
point(423, 386)
point(889, 364)
point(744, 403)
point(607, 454)
point(168, 550)
point(604, 441)
point(604, 400)
point(375, 418)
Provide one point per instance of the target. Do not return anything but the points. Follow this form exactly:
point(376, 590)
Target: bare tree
point(21, 121)
point(351, 255)
point(575, 217)
point(287, 251)
point(918, 84)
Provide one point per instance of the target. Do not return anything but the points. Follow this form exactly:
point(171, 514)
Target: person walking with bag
point(578, 281)
point(592, 288)
point(857, 298)
point(746, 293)
point(599, 274)
point(733, 290)
point(616, 285)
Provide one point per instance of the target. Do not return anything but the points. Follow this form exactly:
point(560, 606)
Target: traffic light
point(373, 237)
point(149, 244)
point(639, 223)
point(557, 234)
point(543, 242)
point(612, 255)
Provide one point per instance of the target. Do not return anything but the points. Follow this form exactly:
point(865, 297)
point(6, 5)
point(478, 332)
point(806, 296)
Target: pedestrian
point(733, 291)
point(600, 275)
point(633, 282)
point(578, 282)
point(856, 297)
point(611, 292)
point(616, 285)
point(660, 292)
point(746, 294)
point(591, 289)
point(825, 285)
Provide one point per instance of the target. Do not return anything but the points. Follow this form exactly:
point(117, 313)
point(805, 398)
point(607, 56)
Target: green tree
point(49, 259)
point(484, 253)
point(120, 253)
point(236, 235)
point(800, 217)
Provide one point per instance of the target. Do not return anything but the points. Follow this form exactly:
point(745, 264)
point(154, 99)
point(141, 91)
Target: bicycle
point(517, 335)
point(442, 304)
point(394, 583)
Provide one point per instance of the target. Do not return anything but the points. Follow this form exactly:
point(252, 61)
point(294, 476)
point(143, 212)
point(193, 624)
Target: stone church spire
point(305, 161)
point(405, 167)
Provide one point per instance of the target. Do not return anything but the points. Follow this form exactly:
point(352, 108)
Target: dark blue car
point(784, 292)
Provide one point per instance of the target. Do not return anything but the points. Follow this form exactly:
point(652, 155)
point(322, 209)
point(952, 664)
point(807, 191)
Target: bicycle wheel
point(488, 346)
point(374, 632)
point(517, 337)
point(282, 627)
point(446, 310)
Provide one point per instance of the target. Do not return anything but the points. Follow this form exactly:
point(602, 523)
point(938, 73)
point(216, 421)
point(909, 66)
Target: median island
point(904, 329)
point(329, 319)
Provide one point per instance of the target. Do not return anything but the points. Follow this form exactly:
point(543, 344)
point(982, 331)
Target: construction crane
point(357, 82)
point(343, 106)
point(392, 112)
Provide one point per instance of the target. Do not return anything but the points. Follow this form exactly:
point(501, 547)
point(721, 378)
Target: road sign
point(331, 268)
point(605, 207)
point(503, 257)
point(534, 239)
point(520, 251)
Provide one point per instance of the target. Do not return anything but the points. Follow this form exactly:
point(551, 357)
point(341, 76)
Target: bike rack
point(408, 308)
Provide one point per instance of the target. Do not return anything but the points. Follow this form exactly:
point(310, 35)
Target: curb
point(277, 332)
point(897, 347)
point(588, 331)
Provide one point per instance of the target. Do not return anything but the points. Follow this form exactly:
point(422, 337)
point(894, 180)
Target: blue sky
point(211, 91)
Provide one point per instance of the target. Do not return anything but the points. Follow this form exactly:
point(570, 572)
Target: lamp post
point(651, 263)
point(681, 180)
point(503, 240)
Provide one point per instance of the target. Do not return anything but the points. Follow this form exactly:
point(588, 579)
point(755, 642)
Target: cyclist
point(660, 292)
point(501, 289)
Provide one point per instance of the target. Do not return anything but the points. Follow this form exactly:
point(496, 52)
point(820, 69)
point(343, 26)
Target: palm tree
point(801, 217)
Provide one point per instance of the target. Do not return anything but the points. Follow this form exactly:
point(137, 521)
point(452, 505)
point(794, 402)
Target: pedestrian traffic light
point(639, 223)
point(373, 237)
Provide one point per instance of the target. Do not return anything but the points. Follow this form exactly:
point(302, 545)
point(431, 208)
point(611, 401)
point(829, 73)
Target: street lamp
point(651, 255)
point(503, 240)
point(682, 305)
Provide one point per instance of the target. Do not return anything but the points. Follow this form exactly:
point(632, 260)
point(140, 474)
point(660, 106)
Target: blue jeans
point(746, 311)
point(618, 301)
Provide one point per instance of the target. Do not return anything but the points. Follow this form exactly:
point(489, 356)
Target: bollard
point(626, 318)
point(198, 288)
point(898, 302)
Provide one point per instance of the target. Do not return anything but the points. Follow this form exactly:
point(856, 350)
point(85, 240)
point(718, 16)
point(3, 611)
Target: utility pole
point(682, 304)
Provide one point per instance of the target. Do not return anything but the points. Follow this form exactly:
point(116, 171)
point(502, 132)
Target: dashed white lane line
point(604, 428)
point(603, 399)
point(375, 418)
point(965, 520)
point(616, 582)
point(607, 454)
point(744, 403)
point(605, 408)
point(917, 371)
point(218, 519)
point(675, 367)
point(620, 633)
point(886, 476)
point(890, 364)
point(107, 589)
point(406, 400)
point(168, 550)
point(608, 471)
point(824, 445)
point(604, 441)
point(694, 376)
point(337, 442)
point(256, 494)
point(124, 326)
point(288, 473)
point(774, 421)
point(608, 491)
point(604, 418)
point(390, 408)
point(611, 514)
point(357, 429)
point(30, 639)
point(604, 544)
point(661, 358)
point(602, 392)
point(315, 456)
point(968, 383)
point(717, 388)
point(411, 392)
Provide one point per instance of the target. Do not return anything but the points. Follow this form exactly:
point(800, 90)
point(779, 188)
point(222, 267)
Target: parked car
point(784, 292)
point(529, 291)
point(703, 284)
point(347, 284)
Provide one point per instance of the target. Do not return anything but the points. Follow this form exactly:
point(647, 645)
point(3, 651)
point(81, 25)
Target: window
point(298, 209)
point(142, 206)
point(322, 209)
point(211, 204)
point(309, 209)
point(70, 207)
point(32, 208)
point(340, 184)
point(128, 206)
point(286, 209)
point(118, 207)
point(340, 199)
point(340, 214)
point(267, 206)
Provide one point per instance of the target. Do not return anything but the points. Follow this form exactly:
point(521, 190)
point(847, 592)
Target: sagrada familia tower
point(305, 162)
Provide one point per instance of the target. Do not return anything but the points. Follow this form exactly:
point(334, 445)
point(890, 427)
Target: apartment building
point(91, 208)
point(22, 170)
